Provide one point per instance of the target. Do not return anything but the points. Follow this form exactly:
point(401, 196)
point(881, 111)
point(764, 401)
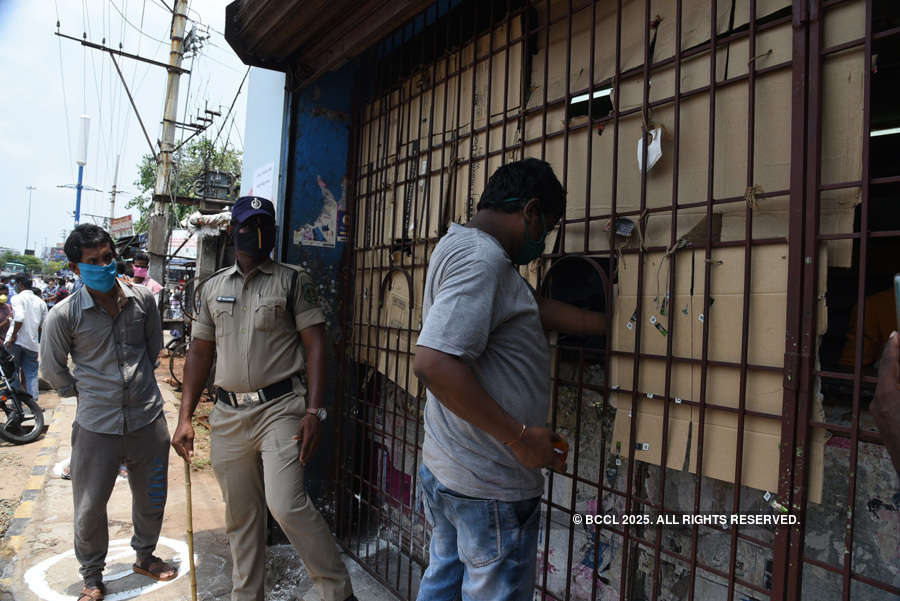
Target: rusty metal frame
point(370, 516)
point(806, 368)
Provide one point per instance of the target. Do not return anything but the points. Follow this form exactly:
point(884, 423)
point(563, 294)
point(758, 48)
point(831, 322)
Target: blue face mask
point(98, 277)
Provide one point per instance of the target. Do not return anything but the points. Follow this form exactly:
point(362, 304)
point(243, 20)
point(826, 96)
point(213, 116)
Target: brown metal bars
point(390, 170)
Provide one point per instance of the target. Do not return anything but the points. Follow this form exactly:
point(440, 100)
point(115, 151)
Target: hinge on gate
point(791, 370)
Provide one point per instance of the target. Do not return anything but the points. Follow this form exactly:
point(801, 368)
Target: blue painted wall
point(319, 139)
point(319, 143)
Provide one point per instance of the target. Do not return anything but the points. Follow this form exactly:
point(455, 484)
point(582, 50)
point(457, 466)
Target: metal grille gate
point(724, 268)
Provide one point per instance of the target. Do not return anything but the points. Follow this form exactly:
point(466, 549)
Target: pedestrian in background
point(141, 266)
point(23, 336)
point(6, 311)
point(11, 284)
point(112, 331)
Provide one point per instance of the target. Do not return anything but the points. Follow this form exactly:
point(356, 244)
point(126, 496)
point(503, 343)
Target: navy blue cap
point(248, 206)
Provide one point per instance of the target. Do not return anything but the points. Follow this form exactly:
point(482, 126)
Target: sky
point(49, 82)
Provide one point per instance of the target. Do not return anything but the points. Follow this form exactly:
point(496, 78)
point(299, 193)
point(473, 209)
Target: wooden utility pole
point(159, 213)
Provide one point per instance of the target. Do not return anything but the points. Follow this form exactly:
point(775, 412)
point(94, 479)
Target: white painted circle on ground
point(36, 576)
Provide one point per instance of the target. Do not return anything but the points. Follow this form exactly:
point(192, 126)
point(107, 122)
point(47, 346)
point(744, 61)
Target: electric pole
point(112, 194)
point(159, 213)
point(29, 188)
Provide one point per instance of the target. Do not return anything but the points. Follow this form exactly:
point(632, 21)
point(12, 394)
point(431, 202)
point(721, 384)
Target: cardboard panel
point(397, 312)
point(656, 274)
point(839, 220)
point(761, 454)
point(845, 23)
point(768, 270)
point(654, 340)
point(652, 377)
point(695, 31)
point(649, 431)
point(765, 390)
point(397, 366)
point(766, 332)
point(772, 135)
point(843, 77)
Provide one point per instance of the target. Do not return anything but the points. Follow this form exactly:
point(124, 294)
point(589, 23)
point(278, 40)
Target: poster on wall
point(331, 226)
point(263, 182)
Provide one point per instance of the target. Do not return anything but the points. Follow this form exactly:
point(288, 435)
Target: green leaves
point(191, 161)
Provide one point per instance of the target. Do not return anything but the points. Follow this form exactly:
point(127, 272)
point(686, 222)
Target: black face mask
point(258, 241)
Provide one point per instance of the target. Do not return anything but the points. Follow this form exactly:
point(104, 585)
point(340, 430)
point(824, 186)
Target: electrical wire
point(62, 79)
point(162, 4)
point(240, 138)
point(200, 22)
point(101, 137)
point(135, 27)
point(233, 100)
point(229, 67)
point(228, 136)
point(84, 28)
point(146, 72)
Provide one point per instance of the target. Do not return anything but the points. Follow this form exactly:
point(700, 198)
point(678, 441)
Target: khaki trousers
point(255, 459)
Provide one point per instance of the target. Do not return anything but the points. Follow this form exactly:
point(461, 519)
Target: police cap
point(248, 206)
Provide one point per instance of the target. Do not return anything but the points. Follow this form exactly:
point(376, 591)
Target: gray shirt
point(113, 359)
point(478, 308)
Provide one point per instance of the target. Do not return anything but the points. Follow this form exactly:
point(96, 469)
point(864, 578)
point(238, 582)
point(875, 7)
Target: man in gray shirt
point(484, 358)
point(112, 330)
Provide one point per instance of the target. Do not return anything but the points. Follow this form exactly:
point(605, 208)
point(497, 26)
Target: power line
point(63, 84)
point(162, 4)
point(136, 28)
point(233, 100)
point(229, 67)
point(85, 26)
point(202, 24)
point(240, 138)
point(98, 87)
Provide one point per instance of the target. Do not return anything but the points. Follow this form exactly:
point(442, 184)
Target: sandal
point(156, 568)
point(92, 593)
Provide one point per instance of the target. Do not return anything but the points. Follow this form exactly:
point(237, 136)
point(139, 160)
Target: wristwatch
point(321, 413)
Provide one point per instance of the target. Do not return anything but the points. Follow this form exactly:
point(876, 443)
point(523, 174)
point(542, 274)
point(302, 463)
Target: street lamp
point(29, 188)
point(82, 161)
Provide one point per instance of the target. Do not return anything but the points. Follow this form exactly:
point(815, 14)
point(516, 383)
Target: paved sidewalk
point(37, 560)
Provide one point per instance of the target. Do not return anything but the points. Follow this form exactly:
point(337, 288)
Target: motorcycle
point(22, 420)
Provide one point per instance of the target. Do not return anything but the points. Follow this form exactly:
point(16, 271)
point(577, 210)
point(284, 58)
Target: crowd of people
point(482, 354)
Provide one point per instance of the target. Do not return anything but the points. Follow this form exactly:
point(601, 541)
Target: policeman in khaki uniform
point(261, 318)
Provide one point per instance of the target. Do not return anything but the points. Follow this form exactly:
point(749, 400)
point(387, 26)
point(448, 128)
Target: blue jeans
point(481, 549)
point(28, 361)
